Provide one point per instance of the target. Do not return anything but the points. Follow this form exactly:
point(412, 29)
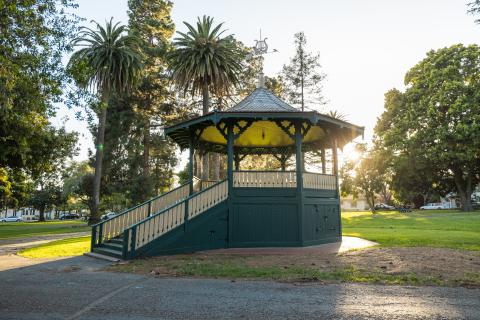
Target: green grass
point(436, 228)
point(30, 229)
point(295, 273)
point(234, 267)
point(59, 248)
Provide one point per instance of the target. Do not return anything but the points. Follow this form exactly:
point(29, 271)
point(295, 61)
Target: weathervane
point(260, 49)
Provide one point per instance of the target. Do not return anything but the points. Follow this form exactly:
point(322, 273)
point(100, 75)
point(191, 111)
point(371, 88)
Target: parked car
point(383, 206)
point(69, 216)
point(432, 206)
point(11, 219)
point(108, 215)
point(404, 208)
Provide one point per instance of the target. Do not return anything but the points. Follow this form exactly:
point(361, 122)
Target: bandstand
point(258, 208)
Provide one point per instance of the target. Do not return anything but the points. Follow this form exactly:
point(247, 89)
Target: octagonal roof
point(263, 123)
point(262, 100)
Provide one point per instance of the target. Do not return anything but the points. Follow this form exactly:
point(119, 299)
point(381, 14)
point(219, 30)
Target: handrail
point(150, 228)
point(319, 181)
point(264, 179)
point(141, 204)
point(175, 204)
point(282, 179)
point(114, 226)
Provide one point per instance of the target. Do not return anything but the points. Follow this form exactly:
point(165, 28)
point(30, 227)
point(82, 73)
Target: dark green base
point(205, 232)
point(260, 217)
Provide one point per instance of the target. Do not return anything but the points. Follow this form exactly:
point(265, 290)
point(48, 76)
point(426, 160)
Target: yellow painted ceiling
point(262, 133)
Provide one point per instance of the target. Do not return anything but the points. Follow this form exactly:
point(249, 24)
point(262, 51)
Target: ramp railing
point(113, 227)
point(153, 227)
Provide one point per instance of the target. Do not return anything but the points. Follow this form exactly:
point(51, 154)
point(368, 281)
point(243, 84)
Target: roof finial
point(260, 49)
point(261, 80)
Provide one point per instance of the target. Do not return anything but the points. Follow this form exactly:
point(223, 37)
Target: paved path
point(77, 288)
point(9, 248)
point(12, 245)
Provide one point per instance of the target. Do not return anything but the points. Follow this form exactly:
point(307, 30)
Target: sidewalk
point(9, 247)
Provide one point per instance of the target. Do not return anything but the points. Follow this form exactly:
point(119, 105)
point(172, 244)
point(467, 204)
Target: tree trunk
point(206, 105)
point(464, 189)
point(95, 215)
point(146, 161)
point(41, 216)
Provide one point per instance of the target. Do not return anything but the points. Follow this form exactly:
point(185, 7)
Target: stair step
point(116, 240)
point(108, 252)
point(113, 246)
point(101, 256)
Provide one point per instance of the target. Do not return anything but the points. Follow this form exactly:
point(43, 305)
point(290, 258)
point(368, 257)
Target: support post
point(230, 142)
point(190, 164)
point(134, 242)
point(94, 238)
point(324, 162)
point(335, 157)
point(335, 172)
point(237, 162)
point(100, 233)
point(299, 171)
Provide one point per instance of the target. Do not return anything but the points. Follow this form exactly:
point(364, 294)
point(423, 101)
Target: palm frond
point(112, 56)
point(203, 57)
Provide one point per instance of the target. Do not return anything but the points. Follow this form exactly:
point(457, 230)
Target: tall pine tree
point(303, 77)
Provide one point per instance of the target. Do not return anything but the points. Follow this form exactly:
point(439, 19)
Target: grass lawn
point(435, 228)
point(30, 229)
point(59, 248)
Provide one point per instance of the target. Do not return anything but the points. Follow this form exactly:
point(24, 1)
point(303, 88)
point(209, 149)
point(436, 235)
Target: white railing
point(199, 184)
point(170, 198)
point(319, 181)
point(116, 225)
point(264, 179)
point(202, 201)
point(157, 225)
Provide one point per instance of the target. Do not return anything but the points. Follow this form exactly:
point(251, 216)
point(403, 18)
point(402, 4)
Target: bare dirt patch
point(428, 266)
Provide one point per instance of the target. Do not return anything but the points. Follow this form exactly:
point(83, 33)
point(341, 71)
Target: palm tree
point(205, 62)
point(337, 115)
point(111, 57)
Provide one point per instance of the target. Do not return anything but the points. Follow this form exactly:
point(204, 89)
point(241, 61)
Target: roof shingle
point(262, 100)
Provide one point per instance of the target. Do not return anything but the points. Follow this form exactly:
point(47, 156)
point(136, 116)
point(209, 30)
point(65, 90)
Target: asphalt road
point(76, 288)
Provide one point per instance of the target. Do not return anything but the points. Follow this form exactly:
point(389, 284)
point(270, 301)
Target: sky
point(365, 47)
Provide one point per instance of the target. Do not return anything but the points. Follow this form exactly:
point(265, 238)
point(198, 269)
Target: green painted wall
point(204, 232)
point(260, 217)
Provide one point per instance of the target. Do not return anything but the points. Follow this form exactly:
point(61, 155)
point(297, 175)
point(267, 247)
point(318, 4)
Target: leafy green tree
point(204, 62)
point(303, 76)
point(78, 183)
point(440, 118)
point(34, 35)
point(5, 188)
point(364, 177)
point(49, 196)
point(111, 56)
point(47, 177)
point(415, 179)
point(474, 8)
